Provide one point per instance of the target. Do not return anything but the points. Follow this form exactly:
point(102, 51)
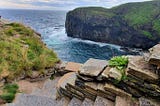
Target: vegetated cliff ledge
point(133, 24)
point(23, 54)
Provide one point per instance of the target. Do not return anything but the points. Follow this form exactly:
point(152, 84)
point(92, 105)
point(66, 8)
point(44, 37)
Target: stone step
point(100, 101)
point(46, 93)
point(49, 84)
point(93, 67)
point(113, 89)
point(48, 90)
point(75, 102)
point(148, 102)
point(122, 101)
point(87, 102)
point(10, 104)
point(64, 101)
point(32, 100)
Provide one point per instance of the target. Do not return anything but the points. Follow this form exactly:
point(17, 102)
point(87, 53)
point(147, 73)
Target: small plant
point(9, 91)
point(119, 62)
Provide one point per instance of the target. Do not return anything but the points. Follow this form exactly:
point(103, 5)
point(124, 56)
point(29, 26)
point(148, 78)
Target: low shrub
point(9, 91)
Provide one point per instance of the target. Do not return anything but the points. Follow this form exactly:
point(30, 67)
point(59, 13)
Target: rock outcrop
point(133, 24)
point(97, 86)
point(104, 84)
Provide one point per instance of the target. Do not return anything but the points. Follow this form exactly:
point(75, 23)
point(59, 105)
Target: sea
point(51, 25)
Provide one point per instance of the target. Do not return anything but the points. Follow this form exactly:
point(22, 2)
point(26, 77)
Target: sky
point(60, 4)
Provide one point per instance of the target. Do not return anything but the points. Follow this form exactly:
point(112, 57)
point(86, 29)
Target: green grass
point(94, 11)
point(156, 26)
point(139, 14)
point(9, 91)
point(147, 34)
point(119, 62)
point(22, 51)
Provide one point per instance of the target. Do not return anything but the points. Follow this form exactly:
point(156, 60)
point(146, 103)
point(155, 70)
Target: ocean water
point(51, 25)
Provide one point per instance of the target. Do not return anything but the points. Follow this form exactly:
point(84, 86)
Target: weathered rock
point(93, 67)
point(115, 25)
point(140, 68)
point(64, 101)
point(154, 57)
point(105, 94)
point(2, 101)
point(35, 74)
point(76, 92)
point(103, 102)
point(105, 73)
point(87, 102)
point(32, 100)
point(115, 90)
point(62, 83)
point(85, 78)
point(145, 88)
point(115, 74)
point(75, 102)
point(72, 67)
point(67, 78)
point(123, 101)
point(148, 102)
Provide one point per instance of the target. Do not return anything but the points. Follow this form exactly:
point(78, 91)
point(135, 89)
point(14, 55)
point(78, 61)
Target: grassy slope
point(22, 51)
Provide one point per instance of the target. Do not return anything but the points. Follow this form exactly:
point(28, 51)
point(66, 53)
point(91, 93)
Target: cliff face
point(133, 24)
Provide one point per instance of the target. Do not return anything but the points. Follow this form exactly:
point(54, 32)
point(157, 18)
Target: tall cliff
point(132, 24)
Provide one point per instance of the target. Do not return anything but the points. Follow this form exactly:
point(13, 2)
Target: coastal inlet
point(51, 24)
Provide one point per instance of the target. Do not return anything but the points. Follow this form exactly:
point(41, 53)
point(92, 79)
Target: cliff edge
point(132, 24)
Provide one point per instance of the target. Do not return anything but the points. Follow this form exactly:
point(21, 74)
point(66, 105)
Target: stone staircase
point(92, 84)
point(47, 96)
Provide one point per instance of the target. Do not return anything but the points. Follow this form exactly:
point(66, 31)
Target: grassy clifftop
point(122, 25)
point(22, 51)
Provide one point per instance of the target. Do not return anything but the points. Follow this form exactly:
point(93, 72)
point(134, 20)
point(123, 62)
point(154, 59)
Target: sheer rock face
point(116, 25)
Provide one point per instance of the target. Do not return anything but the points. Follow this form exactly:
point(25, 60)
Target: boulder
point(93, 67)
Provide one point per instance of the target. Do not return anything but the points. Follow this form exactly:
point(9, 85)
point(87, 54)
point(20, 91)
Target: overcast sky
point(60, 4)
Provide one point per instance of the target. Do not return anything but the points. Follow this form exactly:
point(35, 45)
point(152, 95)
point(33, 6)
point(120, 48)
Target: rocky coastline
point(131, 25)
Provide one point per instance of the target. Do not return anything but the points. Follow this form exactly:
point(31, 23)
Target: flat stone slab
point(75, 102)
point(72, 66)
point(87, 102)
point(115, 90)
point(93, 67)
point(103, 102)
point(140, 68)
